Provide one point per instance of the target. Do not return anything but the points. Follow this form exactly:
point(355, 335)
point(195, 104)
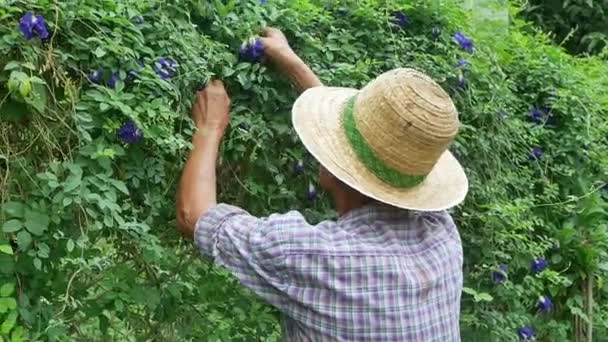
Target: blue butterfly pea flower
point(32, 25)
point(463, 41)
point(165, 67)
point(95, 76)
point(538, 265)
point(399, 19)
point(525, 333)
point(311, 194)
point(129, 133)
point(298, 167)
point(500, 274)
point(252, 50)
point(535, 153)
point(544, 304)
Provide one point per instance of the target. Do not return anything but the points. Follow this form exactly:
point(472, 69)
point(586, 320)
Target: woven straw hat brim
point(317, 118)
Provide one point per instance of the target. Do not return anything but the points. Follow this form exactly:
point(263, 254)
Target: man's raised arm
point(278, 52)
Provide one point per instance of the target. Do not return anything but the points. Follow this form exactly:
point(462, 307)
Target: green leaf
point(99, 52)
point(19, 76)
point(36, 222)
point(11, 65)
point(7, 289)
point(120, 186)
point(25, 88)
point(43, 250)
point(14, 209)
point(3, 305)
point(17, 335)
point(29, 65)
point(67, 201)
point(104, 324)
point(7, 264)
point(469, 290)
point(12, 110)
point(7, 304)
point(118, 304)
point(24, 239)
point(37, 80)
point(72, 182)
point(37, 263)
point(38, 97)
point(12, 226)
point(9, 323)
point(483, 297)
point(70, 245)
point(7, 249)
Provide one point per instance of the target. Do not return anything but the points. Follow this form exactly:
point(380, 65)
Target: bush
point(579, 24)
point(89, 161)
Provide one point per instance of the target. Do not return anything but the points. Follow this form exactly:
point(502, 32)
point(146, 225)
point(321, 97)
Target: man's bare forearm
point(301, 74)
point(197, 188)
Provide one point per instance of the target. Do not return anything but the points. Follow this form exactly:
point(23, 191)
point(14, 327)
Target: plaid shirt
point(377, 274)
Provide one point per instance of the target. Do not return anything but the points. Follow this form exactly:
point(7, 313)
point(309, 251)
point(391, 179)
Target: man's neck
point(346, 202)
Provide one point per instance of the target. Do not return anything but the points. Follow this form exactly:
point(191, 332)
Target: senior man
point(390, 267)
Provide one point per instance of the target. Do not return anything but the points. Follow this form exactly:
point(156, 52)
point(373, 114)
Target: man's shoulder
point(297, 235)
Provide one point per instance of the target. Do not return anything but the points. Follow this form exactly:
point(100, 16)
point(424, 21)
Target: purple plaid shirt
point(377, 274)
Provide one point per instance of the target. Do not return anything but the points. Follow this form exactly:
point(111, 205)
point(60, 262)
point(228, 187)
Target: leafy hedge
point(94, 128)
point(579, 24)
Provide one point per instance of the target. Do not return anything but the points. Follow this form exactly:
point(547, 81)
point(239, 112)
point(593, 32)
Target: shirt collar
point(371, 212)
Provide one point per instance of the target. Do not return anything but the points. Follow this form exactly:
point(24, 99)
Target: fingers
point(266, 31)
point(217, 83)
point(270, 32)
point(213, 84)
point(199, 101)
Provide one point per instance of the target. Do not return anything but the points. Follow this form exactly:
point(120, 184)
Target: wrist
point(283, 57)
point(208, 133)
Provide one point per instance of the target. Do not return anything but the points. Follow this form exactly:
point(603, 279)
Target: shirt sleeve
point(249, 247)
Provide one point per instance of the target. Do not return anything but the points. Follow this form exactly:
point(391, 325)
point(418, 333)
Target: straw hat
point(388, 140)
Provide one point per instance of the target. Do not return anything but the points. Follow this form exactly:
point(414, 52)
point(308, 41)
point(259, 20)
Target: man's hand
point(276, 47)
point(278, 51)
point(211, 108)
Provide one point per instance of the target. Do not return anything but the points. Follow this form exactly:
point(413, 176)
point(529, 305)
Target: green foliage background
point(90, 250)
point(579, 24)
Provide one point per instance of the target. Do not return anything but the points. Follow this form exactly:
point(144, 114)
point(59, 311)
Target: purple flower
point(95, 76)
point(462, 82)
point(535, 153)
point(461, 62)
point(436, 32)
point(399, 19)
point(252, 50)
point(311, 194)
point(342, 11)
point(128, 133)
point(298, 167)
point(525, 333)
point(544, 304)
point(465, 43)
point(537, 114)
point(131, 75)
point(500, 274)
point(114, 78)
point(165, 67)
point(33, 25)
point(262, 2)
point(538, 264)
point(137, 20)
